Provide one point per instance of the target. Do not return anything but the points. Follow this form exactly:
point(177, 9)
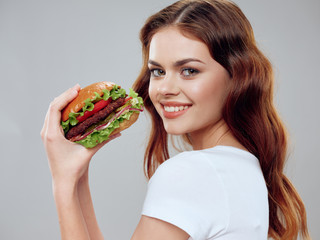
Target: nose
point(168, 86)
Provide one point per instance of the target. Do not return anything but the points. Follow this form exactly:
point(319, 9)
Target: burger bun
point(88, 92)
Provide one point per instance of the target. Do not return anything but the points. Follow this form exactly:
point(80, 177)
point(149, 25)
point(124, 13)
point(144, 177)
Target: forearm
point(87, 208)
point(68, 164)
point(71, 220)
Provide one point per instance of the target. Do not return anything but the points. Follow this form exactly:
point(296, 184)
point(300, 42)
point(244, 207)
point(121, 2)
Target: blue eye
point(157, 72)
point(187, 72)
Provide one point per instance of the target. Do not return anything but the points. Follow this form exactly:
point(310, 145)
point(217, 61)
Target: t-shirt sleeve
point(186, 192)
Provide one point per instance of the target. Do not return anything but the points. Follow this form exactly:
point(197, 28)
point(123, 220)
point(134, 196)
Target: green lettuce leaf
point(136, 101)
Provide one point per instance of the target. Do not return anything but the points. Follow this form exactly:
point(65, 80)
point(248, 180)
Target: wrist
point(64, 188)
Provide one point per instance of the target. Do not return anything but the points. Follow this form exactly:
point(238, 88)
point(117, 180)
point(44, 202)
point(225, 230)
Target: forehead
point(171, 44)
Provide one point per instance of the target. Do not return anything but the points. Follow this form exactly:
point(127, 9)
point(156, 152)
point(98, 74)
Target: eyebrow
point(177, 63)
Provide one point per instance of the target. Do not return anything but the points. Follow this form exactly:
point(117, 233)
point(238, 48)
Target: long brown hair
point(249, 110)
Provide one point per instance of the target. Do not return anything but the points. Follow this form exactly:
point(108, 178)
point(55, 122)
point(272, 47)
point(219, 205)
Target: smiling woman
point(185, 83)
point(203, 78)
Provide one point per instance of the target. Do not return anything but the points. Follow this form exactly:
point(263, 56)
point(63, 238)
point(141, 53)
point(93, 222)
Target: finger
point(44, 127)
point(63, 99)
point(45, 124)
point(60, 102)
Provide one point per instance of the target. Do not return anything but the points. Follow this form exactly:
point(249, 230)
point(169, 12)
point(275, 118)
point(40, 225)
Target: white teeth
point(175, 109)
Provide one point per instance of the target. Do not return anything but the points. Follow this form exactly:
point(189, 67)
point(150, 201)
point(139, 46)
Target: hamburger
point(99, 111)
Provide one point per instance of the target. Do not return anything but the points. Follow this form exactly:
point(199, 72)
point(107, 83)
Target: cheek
point(152, 92)
point(209, 95)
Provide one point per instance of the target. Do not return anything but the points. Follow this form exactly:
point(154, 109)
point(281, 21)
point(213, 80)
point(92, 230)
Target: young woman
point(203, 79)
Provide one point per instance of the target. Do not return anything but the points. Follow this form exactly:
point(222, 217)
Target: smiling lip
point(173, 110)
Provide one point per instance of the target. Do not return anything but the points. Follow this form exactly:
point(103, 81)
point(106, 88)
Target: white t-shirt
point(216, 193)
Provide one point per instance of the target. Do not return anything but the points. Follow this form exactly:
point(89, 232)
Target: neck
point(210, 136)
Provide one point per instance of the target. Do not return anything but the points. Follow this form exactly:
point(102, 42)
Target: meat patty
point(97, 117)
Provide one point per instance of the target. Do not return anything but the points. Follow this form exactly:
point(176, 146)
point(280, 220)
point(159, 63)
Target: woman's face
point(187, 86)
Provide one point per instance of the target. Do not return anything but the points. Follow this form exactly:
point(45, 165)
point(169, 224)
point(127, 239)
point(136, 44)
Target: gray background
point(48, 46)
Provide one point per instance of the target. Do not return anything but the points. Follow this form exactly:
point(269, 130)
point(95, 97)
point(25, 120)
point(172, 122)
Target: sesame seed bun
point(88, 92)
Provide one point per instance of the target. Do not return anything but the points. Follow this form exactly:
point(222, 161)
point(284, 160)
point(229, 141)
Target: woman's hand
point(68, 161)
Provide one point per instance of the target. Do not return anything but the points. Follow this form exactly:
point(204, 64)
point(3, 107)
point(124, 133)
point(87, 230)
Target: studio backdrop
point(49, 46)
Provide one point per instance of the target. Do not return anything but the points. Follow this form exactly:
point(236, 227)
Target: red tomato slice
point(127, 99)
point(97, 107)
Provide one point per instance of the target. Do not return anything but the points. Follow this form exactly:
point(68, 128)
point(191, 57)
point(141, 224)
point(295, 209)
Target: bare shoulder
point(155, 229)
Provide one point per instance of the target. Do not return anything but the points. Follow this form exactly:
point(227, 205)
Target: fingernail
point(75, 89)
point(77, 86)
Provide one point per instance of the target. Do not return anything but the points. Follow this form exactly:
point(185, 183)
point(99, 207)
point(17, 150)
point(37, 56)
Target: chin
point(175, 129)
